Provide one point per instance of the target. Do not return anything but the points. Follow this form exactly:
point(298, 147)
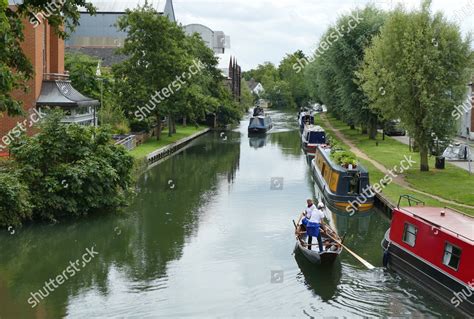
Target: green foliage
point(279, 94)
point(420, 63)
point(248, 99)
point(265, 73)
point(82, 73)
point(344, 158)
point(70, 170)
point(15, 68)
point(332, 77)
point(15, 205)
point(161, 57)
point(295, 80)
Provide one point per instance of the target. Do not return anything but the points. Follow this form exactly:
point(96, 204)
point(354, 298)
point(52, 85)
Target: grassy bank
point(152, 144)
point(452, 183)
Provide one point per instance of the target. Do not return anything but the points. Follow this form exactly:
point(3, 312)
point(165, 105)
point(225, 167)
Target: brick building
point(49, 85)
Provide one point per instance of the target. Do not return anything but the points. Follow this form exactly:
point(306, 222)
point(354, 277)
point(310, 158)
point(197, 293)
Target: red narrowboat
point(434, 247)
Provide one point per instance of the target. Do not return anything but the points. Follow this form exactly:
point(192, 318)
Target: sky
point(266, 30)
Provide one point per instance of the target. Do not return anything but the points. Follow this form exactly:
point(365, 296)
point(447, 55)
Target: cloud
point(264, 30)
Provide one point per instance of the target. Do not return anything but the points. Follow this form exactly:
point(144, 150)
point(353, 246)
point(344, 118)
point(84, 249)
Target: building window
point(452, 256)
point(409, 234)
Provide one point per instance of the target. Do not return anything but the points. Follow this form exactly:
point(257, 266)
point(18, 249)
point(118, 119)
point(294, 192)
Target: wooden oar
point(362, 260)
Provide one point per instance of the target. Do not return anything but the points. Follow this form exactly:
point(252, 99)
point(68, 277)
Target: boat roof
point(453, 221)
point(313, 128)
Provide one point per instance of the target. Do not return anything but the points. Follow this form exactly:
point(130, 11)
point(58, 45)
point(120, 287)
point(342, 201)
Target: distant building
point(98, 36)
point(465, 113)
point(50, 86)
point(233, 74)
point(255, 87)
point(215, 40)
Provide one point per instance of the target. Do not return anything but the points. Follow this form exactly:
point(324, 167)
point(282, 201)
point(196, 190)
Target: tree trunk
point(363, 128)
point(184, 121)
point(158, 127)
point(372, 127)
point(173, 121)
point(424, 164)
point(170, 129)
point(352, 126)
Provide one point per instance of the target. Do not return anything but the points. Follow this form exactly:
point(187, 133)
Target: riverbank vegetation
point(396, 65)
point(151, 145)
point(390, 152)
point(283, 86)
point(63, 171)
point(171, 78)
point(371, 67)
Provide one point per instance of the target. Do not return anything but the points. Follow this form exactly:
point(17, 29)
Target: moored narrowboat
point(313, 135)
point(346, 188)
point(305, 118)
point(434, 247)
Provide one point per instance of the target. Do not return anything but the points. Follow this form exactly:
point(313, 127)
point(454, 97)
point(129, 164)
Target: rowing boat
point(331, 245)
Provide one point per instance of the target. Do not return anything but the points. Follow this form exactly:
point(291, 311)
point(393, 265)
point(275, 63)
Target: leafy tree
point(420, 62)
point(279, 94)
point(321, 82)
point(82, 73)
point(15, 69)
point(71, 170)
point(265, 73)
point(15, 206)
point(156, 56)
point(338, 64)
point(247, 99)
point(295, 80)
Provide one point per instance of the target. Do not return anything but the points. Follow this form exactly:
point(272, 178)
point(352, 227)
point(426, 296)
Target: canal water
point(209, 234)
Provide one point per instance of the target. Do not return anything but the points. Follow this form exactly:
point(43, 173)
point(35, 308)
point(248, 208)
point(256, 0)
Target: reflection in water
point(139, 244)
point(321, 279)
point(258, 141)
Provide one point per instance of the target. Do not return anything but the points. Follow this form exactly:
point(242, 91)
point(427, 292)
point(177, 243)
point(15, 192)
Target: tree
point(69, 170)
point(248, 98)
point(157, 56)
point(15, 68)
point(15, 206)
point(417, 70)
point(82, 73)
point(265, 73)
point(295, 80)
point(279, 94)
point(338, 64)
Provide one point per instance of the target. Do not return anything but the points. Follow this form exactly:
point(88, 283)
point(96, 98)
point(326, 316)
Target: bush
point(15, 206)
point(72, 170)
point(140, 126)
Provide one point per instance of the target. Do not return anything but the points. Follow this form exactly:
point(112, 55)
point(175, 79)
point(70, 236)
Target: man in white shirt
point(313, 220)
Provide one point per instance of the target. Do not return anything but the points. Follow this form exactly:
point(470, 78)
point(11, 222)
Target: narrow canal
point(208, 235)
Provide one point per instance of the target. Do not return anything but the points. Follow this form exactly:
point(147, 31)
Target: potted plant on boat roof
point(344, 159)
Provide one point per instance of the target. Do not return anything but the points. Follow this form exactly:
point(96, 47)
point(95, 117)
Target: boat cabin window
point(409, 234)
point(452, 256)
point(354, 184)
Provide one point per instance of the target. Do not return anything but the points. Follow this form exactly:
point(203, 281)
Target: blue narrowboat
point(313, 135)
point(260, 124)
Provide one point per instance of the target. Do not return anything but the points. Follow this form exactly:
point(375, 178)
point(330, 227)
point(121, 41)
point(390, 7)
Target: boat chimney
point(443, 213)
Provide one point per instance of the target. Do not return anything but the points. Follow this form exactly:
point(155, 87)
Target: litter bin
point(440, 162)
